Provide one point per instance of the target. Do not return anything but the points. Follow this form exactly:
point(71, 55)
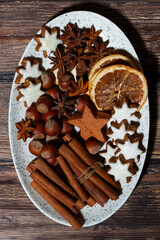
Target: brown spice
point(58, 61)
point(63, 105)
point(68, 31)
point(24, 130)
point(78, 39)
point(79, 88)
point(93, 35)
point(98, 51)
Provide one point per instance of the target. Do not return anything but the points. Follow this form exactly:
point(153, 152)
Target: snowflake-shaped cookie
point(47, 41)
point(110, 152)
point(119, 170)
point(30, 94)
point(130, 149)
point(118, 131)
point(30, 68)
point(124, 113)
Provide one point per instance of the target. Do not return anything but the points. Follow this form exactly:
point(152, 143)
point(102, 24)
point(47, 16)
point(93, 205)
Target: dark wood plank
point(15, 36)
point(139, 217)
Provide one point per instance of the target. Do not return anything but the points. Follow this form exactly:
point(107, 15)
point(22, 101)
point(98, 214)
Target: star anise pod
point(77, 39)
point(77, 57)
point(98, 51)
point(58, 61)
point(82, 59)
point(24, 130)
point(70, 61)
point(79, 88)
point(93, 35)
point(67, 32)
point(63, 105)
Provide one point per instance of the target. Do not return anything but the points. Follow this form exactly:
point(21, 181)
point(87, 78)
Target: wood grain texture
point(139, 217)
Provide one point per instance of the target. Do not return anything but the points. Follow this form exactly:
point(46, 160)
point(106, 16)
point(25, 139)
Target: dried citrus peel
point(115, 82)
point(109, 60)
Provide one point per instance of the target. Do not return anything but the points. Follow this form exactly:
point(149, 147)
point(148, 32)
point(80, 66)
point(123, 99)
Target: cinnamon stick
point(78, 148)
point(52, 189)
point(91, 201)
point(29, 168)
point(40, 164)
point(99, 196)
point(75, 183)
point(71, 157)
point(57, 206)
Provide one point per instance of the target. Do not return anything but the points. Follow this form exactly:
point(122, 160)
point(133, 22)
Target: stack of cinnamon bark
point(86, 182)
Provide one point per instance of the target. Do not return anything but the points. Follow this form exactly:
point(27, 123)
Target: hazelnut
point(47, 116)
point(51, 160)
point(67, 127)
point(35, 147)
point(32, 113)
point(44, 104)
point(49, 150)
point(39, 132)
point(53, 92)
point(81, 103)
point(48, 79)
point(53, 126)
point(93, 145)
point(64, 81)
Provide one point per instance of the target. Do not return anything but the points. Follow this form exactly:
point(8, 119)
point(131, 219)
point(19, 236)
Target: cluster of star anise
point(82, 47)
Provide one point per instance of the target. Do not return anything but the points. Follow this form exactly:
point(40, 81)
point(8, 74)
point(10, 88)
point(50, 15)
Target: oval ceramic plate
point(20, 153)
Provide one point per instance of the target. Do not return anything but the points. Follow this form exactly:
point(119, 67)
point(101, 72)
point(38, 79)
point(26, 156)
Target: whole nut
point(53, 92)
point(67, 127)
point(64, 81)
point(53, 126)
point(32, 113)
point(39, 132)
point(50, 114)
point(48, 79)
point(51, 160)
point(93, 145)
point(81, 103)
point(49, 150)
point(35, 147)
point(44, 104)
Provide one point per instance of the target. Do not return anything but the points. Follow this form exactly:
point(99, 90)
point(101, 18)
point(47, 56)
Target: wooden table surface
point(139, 217)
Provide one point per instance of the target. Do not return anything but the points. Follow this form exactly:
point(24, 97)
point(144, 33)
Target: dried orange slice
point(110, 60)
point(116, 82)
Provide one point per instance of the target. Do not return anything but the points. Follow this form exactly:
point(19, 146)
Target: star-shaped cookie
point(119, 170)
point(90, 125)
point(124, 113)
point(30, 68)
point(110, 151)
point(119, 133)
point(30, 94)
point(47, 41)
point(130, 149)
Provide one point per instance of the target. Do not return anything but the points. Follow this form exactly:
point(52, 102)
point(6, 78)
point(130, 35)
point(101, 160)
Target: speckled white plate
point(20, 153)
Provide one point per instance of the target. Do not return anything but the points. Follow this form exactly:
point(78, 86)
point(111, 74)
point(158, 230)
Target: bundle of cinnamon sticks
point(85, 182)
